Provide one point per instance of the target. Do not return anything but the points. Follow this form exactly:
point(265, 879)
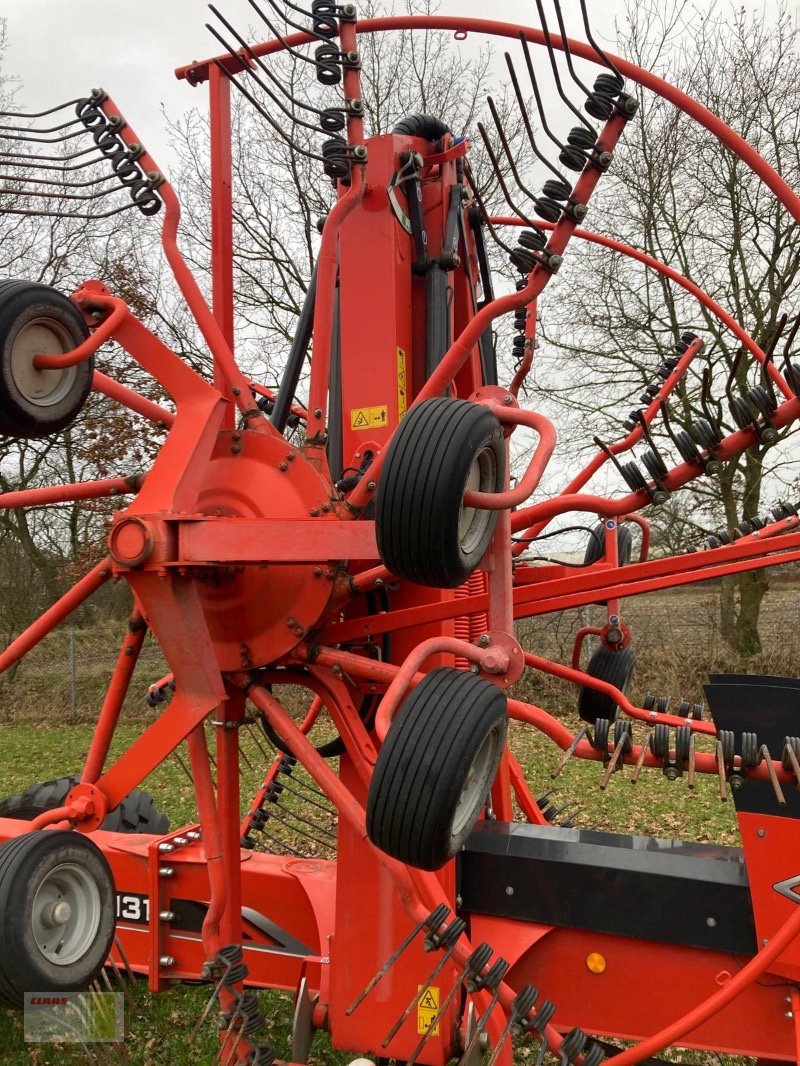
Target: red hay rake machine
point(378, 563)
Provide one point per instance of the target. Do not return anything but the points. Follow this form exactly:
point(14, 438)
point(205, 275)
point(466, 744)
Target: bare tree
point(678, 194)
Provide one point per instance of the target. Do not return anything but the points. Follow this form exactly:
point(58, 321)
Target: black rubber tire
point(25, 861)
point(418, 508)
point(449, 720)
point(616, 668)
point(595, 549)
point(22, 305)
point(136, 813)
point(419, 125)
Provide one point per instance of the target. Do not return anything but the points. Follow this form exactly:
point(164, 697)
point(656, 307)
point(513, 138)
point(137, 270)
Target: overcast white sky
point(131, 48)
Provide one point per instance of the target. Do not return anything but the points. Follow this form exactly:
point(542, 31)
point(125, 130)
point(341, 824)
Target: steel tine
point(567, 52)
point(556, 75)
point(723, 792)
point(510, 157)
point(569, 752)
point(691, 773)
point(41, 114)
point(257, 61)
point(278, 36)
point(452, 934)
point(474, 964)
point(791, 756)
point(773, 777)
point(640, 760)
point(24, 136)
point(526, 121)
point(737, 362)
point(295, 25)
point(649, 437)
point(791, 336)
point(484, 213)
point(435, 919)
point(706, 399)
point(480, 1026)
point(500, 180)
point(612, 762)
point(23, 179)
point(539, 106)
point(125, 962)
point(769, 355)
point(265, 115)
point(594, 43)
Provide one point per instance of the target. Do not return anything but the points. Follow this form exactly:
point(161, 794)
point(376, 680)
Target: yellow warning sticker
point(426, 1010)
point(367, 417)
point(402, 385)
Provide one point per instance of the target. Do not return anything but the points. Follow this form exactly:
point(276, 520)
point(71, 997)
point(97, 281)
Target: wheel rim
point(477, 782)
point(41, 388)
point(473, 521)
point(66, 914)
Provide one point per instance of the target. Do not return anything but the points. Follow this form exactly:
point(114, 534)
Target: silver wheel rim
point(473, 521)
point(41, 388)
point(66, 914)
point(477, 783)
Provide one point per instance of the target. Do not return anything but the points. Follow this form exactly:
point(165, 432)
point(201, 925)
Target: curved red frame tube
point(690, 286)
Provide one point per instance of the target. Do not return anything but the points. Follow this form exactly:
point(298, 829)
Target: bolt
point(291, 622)
point(483, 640)
point(166, 847)
point(509, 890)
point(284, 466)
point(508, 400)
point(236, 390)
point(371, 486)
point(317, 571)
point(167, 916)
point(764, 942)
point(326, 507)
point(711, 922)
point(166, 871)
point(313, 512)
point(194, 834)
point(180, 841)
point(290, 458)
point(474, 668)
point(761, 832)
point(317, 412)
point(166, 961)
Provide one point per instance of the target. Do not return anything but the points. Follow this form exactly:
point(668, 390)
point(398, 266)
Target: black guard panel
point(670, 891)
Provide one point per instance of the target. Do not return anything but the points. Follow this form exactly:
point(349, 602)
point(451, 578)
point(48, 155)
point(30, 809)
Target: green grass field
point(677, 644)
point(157, 1027)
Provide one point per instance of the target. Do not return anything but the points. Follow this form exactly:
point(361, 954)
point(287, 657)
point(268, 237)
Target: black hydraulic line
point(297, 354)
point(335, 445)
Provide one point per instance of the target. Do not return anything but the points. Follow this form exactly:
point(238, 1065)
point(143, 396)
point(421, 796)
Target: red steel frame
point(187, 521)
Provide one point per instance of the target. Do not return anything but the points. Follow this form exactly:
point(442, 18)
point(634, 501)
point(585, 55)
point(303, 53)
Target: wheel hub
point(258, 611)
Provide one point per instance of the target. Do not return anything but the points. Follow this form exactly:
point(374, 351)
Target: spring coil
point(328, 61)
point(262, 1056)
point(522, 259)
point(232, 958)
point(533, 239)
point(324, 16)
point(337, 162)
point(331, 120)
point(549, 210)
point(556, 189)
point(249, 1011)
point(580, 142)
point(600, 103)
point(123, 161)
